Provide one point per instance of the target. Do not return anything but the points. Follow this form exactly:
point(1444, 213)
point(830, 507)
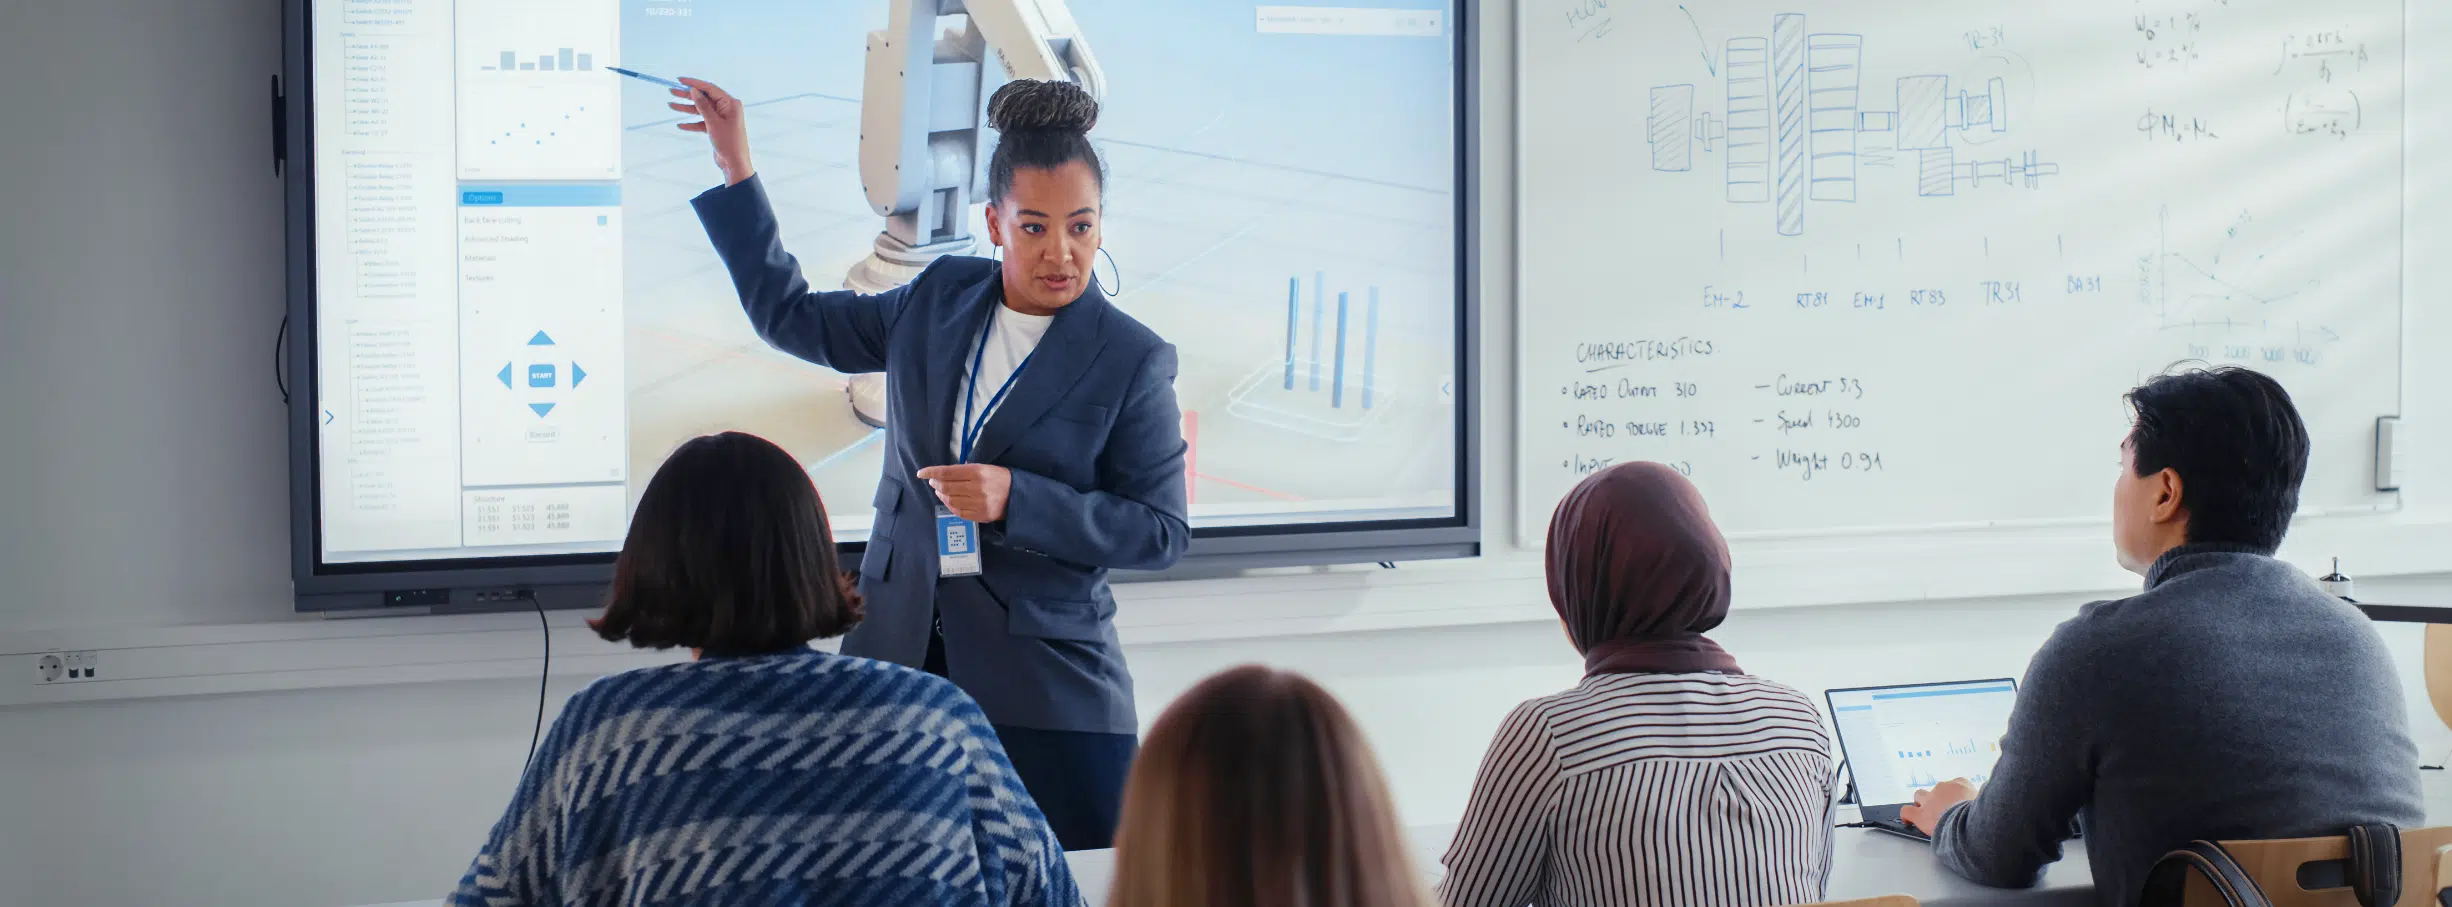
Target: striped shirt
point(806, 779)
point(1650, 790)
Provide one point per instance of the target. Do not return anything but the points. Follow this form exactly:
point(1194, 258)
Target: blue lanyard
point(970, 393)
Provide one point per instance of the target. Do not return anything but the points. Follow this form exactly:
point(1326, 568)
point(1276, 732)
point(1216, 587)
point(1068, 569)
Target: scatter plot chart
point(535, 132)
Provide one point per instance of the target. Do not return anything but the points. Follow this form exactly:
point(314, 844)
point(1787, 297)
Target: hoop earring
point(1116, 293)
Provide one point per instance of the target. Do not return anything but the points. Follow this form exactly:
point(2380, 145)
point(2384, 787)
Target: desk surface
point(1864, 864)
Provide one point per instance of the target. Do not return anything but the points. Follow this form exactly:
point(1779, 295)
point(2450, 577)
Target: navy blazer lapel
point(1071, 345)
point(953, 335)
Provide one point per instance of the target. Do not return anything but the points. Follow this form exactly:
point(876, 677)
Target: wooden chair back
point(2438, 662)
point(2284, 868)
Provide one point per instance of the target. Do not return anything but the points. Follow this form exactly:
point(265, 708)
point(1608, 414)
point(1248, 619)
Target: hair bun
point(1033, 104)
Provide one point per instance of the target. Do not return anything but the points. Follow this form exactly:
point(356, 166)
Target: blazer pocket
point(1054, 618)
point(1084, 413)
point(888, 500)
point(877, 562)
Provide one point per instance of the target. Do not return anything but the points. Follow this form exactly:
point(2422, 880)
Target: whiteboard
point(1862, 267)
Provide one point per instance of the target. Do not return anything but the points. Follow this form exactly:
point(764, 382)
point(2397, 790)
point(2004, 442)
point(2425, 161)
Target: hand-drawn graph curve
point(2248, 295)
point(1796, 129)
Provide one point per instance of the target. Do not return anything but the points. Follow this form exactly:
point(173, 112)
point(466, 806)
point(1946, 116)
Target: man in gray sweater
point(2232, 699)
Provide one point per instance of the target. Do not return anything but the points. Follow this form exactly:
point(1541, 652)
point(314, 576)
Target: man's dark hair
point(729, 554)
point(1041, 125)
point(2236, 442)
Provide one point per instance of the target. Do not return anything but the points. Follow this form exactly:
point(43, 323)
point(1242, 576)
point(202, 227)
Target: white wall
point(375, 794)
point(142, 485)
point(142, 470)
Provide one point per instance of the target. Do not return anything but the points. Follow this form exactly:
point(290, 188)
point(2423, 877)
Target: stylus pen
point(643, 77)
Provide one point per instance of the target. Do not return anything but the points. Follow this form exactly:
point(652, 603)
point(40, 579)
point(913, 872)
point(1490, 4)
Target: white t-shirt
point(1009, 342)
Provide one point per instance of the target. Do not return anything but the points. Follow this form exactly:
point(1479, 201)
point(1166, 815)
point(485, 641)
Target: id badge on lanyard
point(957, 544)
point(958, 538)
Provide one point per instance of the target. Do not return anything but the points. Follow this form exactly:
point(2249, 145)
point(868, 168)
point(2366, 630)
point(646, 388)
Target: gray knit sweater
point(2233, 699)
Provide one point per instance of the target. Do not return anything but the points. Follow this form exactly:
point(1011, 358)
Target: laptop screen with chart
point(1902, 739)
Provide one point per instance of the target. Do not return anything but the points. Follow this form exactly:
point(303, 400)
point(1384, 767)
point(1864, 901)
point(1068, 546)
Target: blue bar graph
point(1319, 313)
point(1336, 397)
point(1294, 315)
point(1319, 333)
point(1370, 345)
point(563, 59)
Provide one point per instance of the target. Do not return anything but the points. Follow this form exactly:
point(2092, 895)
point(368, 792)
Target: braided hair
point(1042, 125)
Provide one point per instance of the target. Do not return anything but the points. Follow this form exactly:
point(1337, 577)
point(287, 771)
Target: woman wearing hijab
point(1669, 777)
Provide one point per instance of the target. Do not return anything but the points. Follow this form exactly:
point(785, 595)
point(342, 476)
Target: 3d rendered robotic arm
point(923, 112)
point(922, 115)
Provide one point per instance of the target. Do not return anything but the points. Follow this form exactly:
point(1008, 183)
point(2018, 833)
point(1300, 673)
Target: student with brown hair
point(762, 771)
point(1257, 788)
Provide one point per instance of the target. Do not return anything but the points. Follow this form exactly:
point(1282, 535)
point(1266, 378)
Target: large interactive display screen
point(507, 313)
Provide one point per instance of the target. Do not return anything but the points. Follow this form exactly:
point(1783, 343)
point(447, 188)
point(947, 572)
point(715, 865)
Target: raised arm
point(1136, 518)
point(841, 330)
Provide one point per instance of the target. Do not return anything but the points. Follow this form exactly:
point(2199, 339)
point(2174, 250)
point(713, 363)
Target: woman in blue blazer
point(1033, 423)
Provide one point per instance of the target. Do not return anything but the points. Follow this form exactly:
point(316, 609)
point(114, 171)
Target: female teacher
point(1035, 444)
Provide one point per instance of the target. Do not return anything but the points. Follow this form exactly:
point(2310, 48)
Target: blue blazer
point(1090, 432)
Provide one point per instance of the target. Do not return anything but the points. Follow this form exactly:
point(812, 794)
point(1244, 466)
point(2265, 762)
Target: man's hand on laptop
point(1925, 813)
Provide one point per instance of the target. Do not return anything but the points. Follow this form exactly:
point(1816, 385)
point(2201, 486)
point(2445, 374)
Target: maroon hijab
point(1638, 572)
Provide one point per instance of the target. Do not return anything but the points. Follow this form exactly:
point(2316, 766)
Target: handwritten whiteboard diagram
point(1798, 126)
point(1891, 266)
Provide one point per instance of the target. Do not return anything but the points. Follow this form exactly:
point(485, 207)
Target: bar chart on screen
point(1967, 758)
point(561, 60)
point(1934, 735)
point(535, 99)
point(1328, 383)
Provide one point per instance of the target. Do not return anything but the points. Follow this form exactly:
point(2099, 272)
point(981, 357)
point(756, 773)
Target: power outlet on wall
point(67, 667)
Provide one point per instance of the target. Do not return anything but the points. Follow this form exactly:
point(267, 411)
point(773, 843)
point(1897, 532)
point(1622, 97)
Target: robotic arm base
point(890, 264)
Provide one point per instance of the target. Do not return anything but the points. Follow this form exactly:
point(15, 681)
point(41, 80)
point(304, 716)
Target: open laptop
point(1898, 740)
